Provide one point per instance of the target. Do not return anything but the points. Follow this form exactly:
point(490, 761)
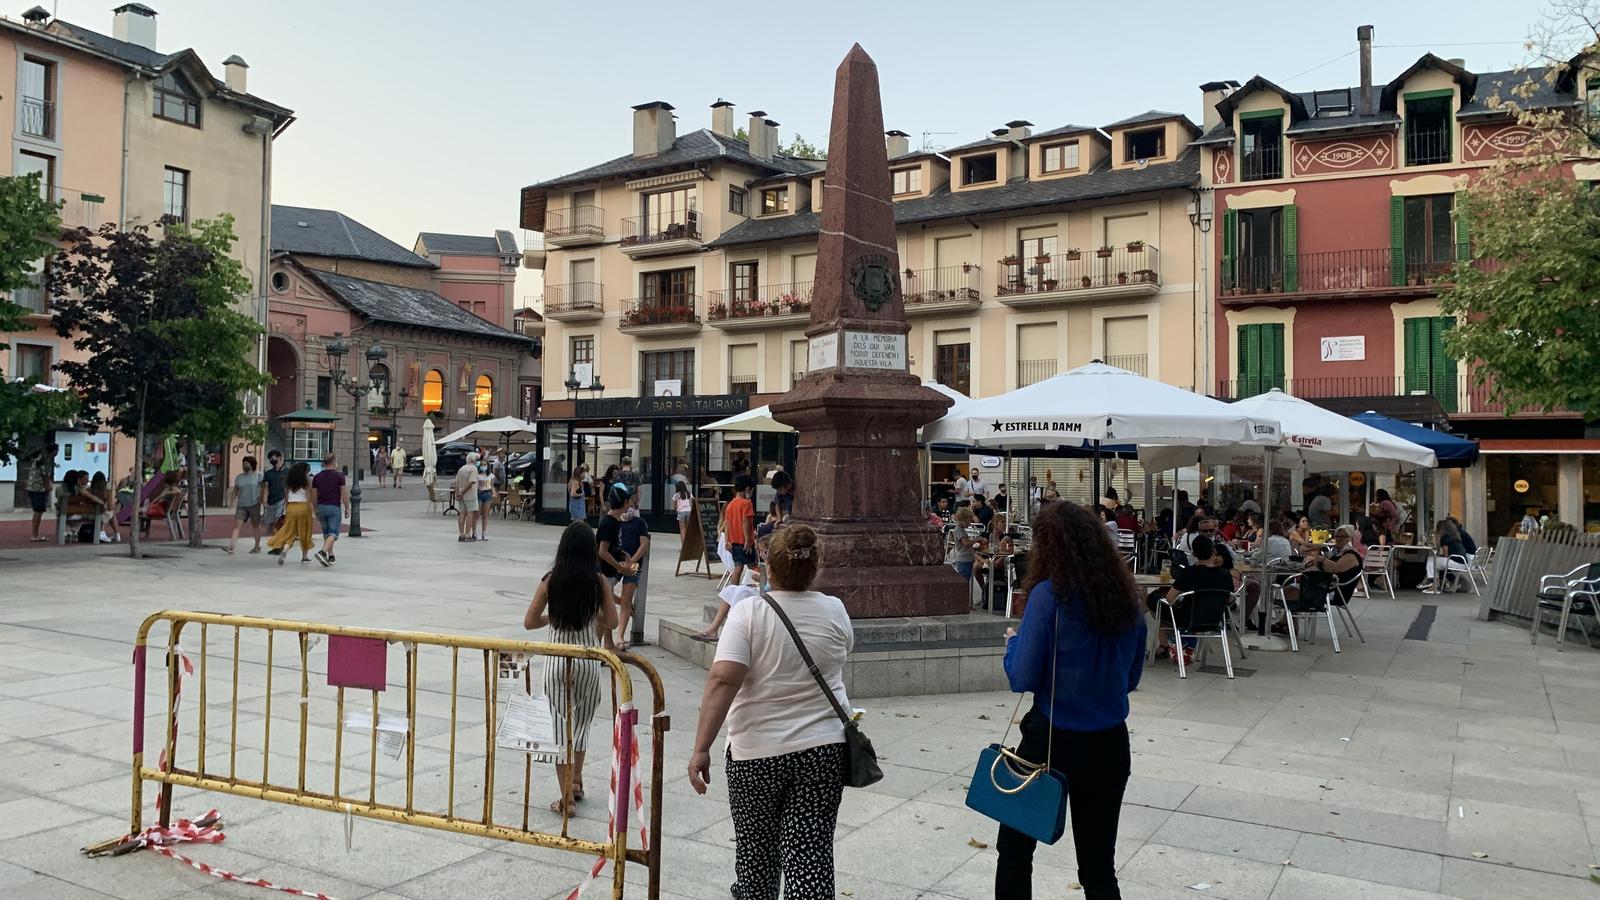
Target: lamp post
point(337, 350)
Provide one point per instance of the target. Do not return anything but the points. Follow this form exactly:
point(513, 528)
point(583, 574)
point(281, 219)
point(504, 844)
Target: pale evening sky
point(430, 116)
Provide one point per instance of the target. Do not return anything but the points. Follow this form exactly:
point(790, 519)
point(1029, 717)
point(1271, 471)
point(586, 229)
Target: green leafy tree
point(1525, 303)
point(799, 148)
point(28, 225)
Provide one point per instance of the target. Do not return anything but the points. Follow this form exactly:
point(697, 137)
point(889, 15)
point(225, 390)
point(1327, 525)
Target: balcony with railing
point(931, 292)
point(574, 226)
point(1066, 276)
point(1261, 164)
point(770, 306)
point(1137, 363)
point(656, 234)
point(1458, 394)
point(1030, 371)
point(1427, 146)
point(1337, 273)
point(663, 314)
point(38, 117)
point(579, 301)
point(32, 299)
point(81, 209)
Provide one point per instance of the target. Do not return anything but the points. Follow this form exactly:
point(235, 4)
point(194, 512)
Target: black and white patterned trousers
point(784, 811)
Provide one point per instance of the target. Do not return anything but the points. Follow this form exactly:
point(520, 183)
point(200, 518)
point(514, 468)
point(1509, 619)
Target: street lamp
point(337, 349)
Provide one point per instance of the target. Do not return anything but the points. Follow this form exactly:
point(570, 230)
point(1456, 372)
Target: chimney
point(1457, 61)
point(898, 143)
point(722, 118)
point(1364, 39)
point(653, 130)
point(134, 23)
point(234, 70)
point(37, 16)
point(1019, 129)
point(772, 143)
point(757, 134)
point(999, 133)
point(1212, 93)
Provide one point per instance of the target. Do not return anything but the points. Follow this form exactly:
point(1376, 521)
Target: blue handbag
point(1022, 795)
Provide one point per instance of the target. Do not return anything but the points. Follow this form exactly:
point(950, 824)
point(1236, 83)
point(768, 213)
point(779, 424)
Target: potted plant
point(1122, 278)
point(1087, 281)
point(1012, 260)
point(966, 268)
point(1136, 246)
point(1103, 253)
point(1148, 276)
point(1074, 254)
point(719, 310)
point(1042, 258)
point(1049, 284)
point(910, 274)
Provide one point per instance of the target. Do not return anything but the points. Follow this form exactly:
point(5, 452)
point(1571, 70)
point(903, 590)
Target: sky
point(420, 116)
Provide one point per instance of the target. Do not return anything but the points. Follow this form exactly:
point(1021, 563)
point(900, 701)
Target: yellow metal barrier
point(296, 793)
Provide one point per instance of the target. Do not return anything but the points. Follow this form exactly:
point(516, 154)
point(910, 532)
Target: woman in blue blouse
point(1080, 651)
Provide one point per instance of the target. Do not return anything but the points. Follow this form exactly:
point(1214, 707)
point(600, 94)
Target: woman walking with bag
point(1080, 651)
point(786, 751)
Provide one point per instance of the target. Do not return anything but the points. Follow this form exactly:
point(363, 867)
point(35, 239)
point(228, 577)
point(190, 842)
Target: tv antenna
point(928, 134)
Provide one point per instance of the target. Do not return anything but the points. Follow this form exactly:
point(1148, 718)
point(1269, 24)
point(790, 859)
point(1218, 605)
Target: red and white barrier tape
point(624, 720)
point(177, 697)
point(207, 830)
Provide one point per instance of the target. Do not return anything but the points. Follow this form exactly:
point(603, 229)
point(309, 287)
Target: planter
point(1087, 281)
point(1136, 246)
point(1147, 276)
point(1074, 255)
point(1103, 253)
point(1122, 278)
point(1042, 258)
point(1011, 261)
point(1049, 284)
point(966, 268)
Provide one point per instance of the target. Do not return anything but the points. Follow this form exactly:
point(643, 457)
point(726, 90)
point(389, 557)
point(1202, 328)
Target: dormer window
point(1061, 157)
point(1592, 102)
point(1149, 143)
point(1261, 145)
point(176, 100)
point(980, 169)
point(1428, 127)
point(907, 181)
point(774, 201)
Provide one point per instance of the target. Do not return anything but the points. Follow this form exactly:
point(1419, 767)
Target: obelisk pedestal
point(858, 409)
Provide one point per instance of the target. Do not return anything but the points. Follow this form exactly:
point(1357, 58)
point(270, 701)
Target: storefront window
point(483, 397)
point(1519, 483)
point(558, 465)
point(1591, 492)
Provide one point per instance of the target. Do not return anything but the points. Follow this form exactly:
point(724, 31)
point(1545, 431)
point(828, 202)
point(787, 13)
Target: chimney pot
point(234, 70)
point(722, 118)
point(1364, 40)
point(760, 137)
point(1457, 61)
point(653, 129)
point(134, 23)
point(1018, 129)
point(897, 143)
point(773, 143)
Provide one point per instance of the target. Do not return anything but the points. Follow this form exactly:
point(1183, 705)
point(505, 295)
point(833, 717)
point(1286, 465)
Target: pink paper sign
point(354, 662)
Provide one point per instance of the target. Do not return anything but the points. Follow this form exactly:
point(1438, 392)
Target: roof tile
point(328, 232)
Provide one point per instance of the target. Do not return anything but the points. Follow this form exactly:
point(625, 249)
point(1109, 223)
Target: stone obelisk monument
point(858, 408)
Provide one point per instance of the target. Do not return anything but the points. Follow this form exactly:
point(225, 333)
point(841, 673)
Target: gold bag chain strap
point(1028, 770)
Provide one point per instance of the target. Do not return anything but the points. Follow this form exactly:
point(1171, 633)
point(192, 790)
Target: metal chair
point(1310, 616)
point(1208, 619)
point(1127, 547)
point(1377, 564)
point(1344, 587)
point(1577, 592)
point(1480, 563)
point(433, 501)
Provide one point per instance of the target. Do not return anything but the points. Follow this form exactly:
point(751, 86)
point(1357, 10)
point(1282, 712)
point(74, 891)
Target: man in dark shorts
point(739, 522)
point(41, 483)
point(272, 478)
point(333, 498)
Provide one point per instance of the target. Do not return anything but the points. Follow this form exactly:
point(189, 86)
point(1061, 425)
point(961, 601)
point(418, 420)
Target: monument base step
point(896, 657)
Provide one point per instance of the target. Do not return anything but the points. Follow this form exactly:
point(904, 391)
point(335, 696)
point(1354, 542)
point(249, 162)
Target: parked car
point(451, 457)
point(522, 463)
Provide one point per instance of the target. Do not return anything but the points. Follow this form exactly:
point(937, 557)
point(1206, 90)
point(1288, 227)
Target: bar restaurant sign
point(718, 405)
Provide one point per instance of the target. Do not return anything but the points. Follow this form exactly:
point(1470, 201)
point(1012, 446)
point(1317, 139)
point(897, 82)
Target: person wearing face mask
point(624, 540)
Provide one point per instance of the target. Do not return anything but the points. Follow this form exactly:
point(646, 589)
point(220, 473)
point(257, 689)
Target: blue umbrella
point(1453, 452)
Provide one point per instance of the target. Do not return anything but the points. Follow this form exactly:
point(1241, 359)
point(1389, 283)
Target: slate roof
point(976, 145)
point(696, 146)
point(501, 242)
point(397, 305)
point(1065, 129)
point(1103, 182)
point(1221, 133)
point(1153, 115)
point(1344, 123)
point(1504, 84)
point(328, 232)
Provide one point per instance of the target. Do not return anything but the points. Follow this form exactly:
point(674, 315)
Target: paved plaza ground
point(1458, 765)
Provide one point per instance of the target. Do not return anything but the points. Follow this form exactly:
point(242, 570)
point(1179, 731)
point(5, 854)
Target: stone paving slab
point(1383, 771)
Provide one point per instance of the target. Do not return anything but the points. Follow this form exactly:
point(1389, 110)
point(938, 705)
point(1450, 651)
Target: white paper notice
point(511, 667)
point(391, 731)
point(527, 726)
point(871, 350)
point(822, 352)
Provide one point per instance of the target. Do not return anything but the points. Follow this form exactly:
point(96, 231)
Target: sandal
point(228, 550)
point(705, 637)
point(560, 808)
point(577, 791)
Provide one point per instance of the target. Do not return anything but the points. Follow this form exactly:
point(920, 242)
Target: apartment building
point(122, 132)
point(679, 276)
point(442, 313)
point(1337, 228)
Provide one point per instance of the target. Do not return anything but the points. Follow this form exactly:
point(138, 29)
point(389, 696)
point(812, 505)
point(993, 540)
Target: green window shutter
point(1441, 367)
point(1397, 240)
point(1291, 250)
point(1249, 360)
point(1272, 357)
point(1230, 246)
point(1419, 340)
point(1463, 238)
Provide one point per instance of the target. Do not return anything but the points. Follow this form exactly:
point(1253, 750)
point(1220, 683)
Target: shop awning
point(1453, 452)
point(310, 415)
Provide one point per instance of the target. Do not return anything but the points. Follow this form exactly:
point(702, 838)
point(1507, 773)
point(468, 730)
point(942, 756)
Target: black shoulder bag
point(860, 760)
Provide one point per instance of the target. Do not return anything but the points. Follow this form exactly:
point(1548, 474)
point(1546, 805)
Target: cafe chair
point(434, 502)
point(1480, 563)
point(1309, 613)
point(1127, 546)
point(1376, 566)
point(1336, 599)
point(1575, 593)
point(1208, 620)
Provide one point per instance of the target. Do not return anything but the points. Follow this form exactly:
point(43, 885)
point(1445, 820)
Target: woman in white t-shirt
point(785, 752)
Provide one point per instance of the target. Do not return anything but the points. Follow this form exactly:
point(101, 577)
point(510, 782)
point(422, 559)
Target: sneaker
point(331, 558)
point(281, 558)
point(323, 558)
point(105, 538)
point(275, 552)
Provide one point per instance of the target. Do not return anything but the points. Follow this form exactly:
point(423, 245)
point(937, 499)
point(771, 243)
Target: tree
point(1525, 302)
point(799, 148)
point(156, 323)
point(28, 222)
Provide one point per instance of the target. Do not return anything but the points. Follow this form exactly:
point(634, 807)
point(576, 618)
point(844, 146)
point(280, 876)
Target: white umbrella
point(507, 428)
point(1098, 403)
point(1312, 436)
point(430, 452)
point(760, 418)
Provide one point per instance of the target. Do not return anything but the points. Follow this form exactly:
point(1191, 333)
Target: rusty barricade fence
point(230, 771)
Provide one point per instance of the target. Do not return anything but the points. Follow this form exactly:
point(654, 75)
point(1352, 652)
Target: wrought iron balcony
point(1261, 164)
point(768, 306)
point(32, 299)
point(662, 314)
point(676, 231)
point(947, 289)
point(38, 117)
point(1136, 363)
point(1337, 273)
point(1069, 275)
point(575, 302)
point(1427, 146)
point(1457, 393)
point(575, 225)
point(1034, 370)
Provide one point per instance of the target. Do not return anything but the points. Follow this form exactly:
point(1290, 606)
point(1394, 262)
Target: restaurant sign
point(717, 405)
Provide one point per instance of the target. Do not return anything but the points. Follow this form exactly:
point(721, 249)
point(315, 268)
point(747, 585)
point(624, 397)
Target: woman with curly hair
point(1080, 651)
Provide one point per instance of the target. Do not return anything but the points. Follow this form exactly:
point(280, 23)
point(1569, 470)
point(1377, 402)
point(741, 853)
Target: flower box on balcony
point(1011, 261)
point(1048, 284)
point(1074, 255)
point(1103, 253)
point(718, 310)
point(1086, 281)
point(1145, 276)
point(966, 268)
point(1122, 278)
point(1136, 246)
point(1042, 258)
